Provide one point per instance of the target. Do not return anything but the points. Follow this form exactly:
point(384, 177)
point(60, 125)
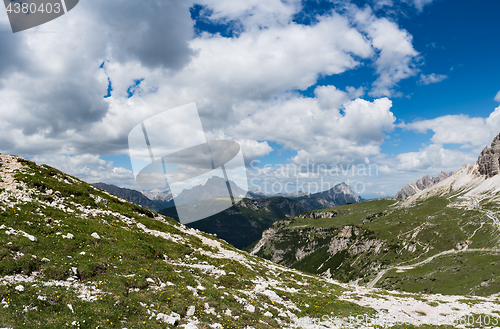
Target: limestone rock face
point(406, 191)
point(489, 160)
point(421, 184)
point(427, 181)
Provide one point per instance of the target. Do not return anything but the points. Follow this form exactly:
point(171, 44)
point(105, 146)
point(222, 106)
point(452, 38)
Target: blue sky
point(406, 85)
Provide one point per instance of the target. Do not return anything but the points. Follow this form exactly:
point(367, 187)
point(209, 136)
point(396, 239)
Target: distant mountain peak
point(214, 187)
point(421, 184)
point(481, 177)
point(132, 195)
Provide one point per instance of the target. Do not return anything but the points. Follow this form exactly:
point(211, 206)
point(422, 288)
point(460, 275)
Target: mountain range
point(158, 195)
point(134, 196)
point(421, 184)
point(243, 223)
point(72, 255)
point(156, 199)
point(213, 188)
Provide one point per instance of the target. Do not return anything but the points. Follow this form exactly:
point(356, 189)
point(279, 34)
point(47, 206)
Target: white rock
point(98, 200)
point(68, 236)
point(150, 280)
point(250, 308)
point(169, 319)
point(82, 253)
point(29, 236)
point(20, 288)
point(95, 235)
point(45, 260)
point(269, 314)
point(190, 311)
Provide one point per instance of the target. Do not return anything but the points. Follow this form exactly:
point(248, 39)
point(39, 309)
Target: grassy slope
point(429, 227)
point(124, 269)
point(144, 265)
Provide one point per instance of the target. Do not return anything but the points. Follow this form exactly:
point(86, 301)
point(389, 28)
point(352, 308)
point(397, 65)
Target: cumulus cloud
point(264, 62)
point(56, 94)
point(396, 56)
point(325, 135)
point(253, 149)
point(460, 129)
point(433, 158)
point(155, 33)
point(252, 13)
point(432, 78)
point(470, 134)
point(52, 84)
point(89, 168)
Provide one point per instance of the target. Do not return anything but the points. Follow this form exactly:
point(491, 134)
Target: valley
point(440, 235)
point(363, 242)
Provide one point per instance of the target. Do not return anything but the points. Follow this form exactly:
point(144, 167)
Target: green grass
point(127, 266)
point(404, 236)
point(458, 274)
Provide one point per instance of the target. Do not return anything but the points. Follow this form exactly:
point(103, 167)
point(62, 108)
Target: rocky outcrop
point(427, 181)
point(406, 191)
point(421, 184)
point(318, 214)
point(489, 160)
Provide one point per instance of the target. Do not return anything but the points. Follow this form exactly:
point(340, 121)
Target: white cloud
point(497, 97)
point(89, 168)
point(325, 135)
point(433, 158)
point(460, 129)
point(396, 56)
point(432, 78)
point(253, 149)
point(471, 135)
point(253, 13)
point(51, 86)
point(420, 4)
point(379, 4)
point(263, 62)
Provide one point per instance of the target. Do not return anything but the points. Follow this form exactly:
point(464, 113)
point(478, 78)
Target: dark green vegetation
point(356, 241)
point(242, 225)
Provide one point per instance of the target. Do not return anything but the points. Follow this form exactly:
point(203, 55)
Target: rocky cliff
point(421, 184)
point(489, 160)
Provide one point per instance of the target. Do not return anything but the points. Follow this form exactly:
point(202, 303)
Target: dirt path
point(8, 167)
point(488, 213)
